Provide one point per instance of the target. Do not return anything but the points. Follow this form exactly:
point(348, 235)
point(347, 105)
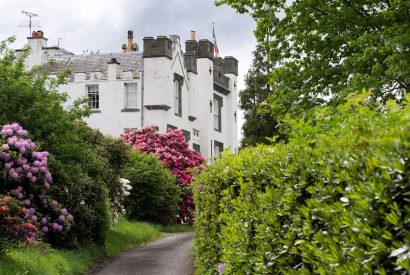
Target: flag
point(216, 50)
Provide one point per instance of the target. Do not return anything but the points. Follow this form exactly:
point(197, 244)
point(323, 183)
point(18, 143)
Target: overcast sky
point(103, 24)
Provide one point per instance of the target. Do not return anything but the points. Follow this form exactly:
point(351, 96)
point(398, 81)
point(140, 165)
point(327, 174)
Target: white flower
point(124, 181)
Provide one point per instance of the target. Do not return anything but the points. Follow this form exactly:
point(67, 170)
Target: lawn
point(43, 259)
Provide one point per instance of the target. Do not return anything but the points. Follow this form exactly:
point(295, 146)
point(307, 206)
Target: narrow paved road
point(167, 256)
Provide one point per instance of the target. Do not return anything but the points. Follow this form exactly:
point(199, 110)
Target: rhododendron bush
point(25, 178)
point(172, 149)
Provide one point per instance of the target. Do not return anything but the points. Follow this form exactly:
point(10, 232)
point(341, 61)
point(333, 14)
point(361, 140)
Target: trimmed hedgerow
point(333, 200)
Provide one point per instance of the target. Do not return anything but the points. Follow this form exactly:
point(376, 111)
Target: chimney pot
point(192, 35)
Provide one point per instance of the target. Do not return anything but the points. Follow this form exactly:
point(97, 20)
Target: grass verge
point(44, 260)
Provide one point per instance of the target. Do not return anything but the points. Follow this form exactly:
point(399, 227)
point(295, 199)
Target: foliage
point(333, 200)
point(112, 156)
point(31, 99)
point(323, 50)
point(172, 149)
point(258, 126)
point(155, 193)
point(25, 176)
point(40, 259)
point(14, 226)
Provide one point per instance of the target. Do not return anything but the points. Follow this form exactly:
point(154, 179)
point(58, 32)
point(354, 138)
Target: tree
point(30, 98)
point(258, 126)
point(325, 49)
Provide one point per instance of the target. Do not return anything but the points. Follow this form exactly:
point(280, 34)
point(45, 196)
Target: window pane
point(93, 97)
point(131, 95)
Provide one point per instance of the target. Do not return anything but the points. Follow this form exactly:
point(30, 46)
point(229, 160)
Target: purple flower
point(55, 226)
point(27, 202)
point(34, 218)
point(6, 147)
point(221, 268)
point(33, 179)
point(8, 132)
point(26, 167)
point(61, 218)
point(14, 175)
point(8, 165)
point(44, 229)
point(48, 176)
point(64, 211)
point(54, 202)
point(22, 132)
point(44, 220)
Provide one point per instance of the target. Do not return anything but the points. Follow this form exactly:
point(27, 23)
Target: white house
point(160, 85)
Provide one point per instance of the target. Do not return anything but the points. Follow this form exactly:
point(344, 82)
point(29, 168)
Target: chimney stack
point(192, 35)
point(130, 40)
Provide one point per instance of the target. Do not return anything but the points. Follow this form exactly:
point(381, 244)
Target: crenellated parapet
point(160, 47)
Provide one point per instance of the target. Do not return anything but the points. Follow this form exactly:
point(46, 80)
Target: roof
point(96, 62)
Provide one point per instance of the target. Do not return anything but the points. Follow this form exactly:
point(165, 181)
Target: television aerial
point(30, 23)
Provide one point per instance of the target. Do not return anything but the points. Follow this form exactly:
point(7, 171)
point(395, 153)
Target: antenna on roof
point(30, 22)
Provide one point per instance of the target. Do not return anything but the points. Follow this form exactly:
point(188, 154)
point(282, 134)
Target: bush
point(333, 200)
point(155, 194)
point(31, 99)
point(14, 226)
point(112, 155)
point(172, 149)
point(25, 176)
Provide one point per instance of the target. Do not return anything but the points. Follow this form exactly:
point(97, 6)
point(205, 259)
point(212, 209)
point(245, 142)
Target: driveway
point(167, 256)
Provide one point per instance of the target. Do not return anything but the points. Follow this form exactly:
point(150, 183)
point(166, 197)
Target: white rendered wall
point(111, 120)
point(159, 90)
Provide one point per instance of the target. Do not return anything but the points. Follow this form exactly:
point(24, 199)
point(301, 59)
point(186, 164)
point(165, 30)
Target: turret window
point(178, 82)
point(217, 113)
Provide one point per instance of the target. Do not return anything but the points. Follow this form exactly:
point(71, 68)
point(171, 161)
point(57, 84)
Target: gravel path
point(167, 256)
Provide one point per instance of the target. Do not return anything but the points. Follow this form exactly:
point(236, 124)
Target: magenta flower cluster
point(29, 179)
point(16, 153)
point(172, 149)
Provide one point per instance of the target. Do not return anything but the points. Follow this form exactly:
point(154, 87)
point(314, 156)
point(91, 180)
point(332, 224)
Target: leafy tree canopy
point(323, 50)
point(257, 126)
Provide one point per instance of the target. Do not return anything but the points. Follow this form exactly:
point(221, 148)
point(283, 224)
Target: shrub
point(26, 177)
point(14, 226)
point(333, 200)
point(154, 195)
point(112, 155)
point(172, 149)
point(31, 99)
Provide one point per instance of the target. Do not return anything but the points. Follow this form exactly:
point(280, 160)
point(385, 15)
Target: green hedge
point(335, 199)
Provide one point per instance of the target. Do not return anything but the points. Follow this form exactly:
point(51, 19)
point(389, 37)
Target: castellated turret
point(160, 47)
